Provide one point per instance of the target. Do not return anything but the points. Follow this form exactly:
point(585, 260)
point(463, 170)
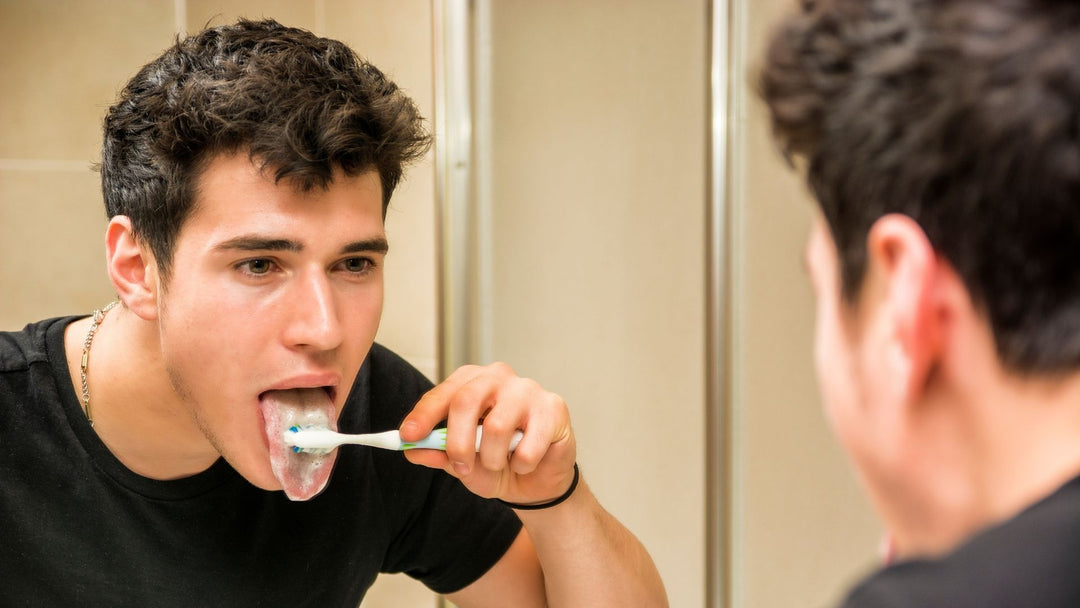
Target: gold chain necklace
point(99, 316)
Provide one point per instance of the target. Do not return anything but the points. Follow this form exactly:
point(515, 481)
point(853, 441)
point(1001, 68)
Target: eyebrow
point(255, 243)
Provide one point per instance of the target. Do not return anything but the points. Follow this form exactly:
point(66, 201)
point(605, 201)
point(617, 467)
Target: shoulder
point(20, 349)
point(1029, 560)
point(392, 386)
point(394, 372)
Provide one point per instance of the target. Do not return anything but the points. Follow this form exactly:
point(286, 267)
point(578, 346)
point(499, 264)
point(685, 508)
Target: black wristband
point(546, 505)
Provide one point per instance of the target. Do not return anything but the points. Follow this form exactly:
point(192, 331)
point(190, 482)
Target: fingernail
point(461, 468)
point(409, 427)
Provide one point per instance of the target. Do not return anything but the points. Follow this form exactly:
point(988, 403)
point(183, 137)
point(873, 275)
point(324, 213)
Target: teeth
point(305, 418)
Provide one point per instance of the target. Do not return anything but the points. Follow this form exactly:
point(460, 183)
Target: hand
point(542, 466)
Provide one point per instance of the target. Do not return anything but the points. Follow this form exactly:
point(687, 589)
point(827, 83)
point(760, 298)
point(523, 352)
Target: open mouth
point(302, 475)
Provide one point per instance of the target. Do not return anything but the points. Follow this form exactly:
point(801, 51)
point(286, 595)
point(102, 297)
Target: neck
point(990, 447)
point(136, 412)
point(1033, 447)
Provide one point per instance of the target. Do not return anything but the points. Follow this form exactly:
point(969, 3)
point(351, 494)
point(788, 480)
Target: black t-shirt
point(77, 528)
point(1029, 561)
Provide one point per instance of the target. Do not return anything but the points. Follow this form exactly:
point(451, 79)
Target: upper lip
point(324, 380)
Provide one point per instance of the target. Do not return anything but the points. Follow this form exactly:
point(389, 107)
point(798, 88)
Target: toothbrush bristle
point(302, 450)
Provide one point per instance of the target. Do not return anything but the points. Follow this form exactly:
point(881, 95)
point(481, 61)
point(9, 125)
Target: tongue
point(302, 475)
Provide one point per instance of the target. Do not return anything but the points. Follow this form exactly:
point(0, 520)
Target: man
point(942, 143)
point(246, 174)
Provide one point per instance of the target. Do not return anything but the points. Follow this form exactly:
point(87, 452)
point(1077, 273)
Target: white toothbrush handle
point(437, 440)
point(325, 439)
point(514, 440)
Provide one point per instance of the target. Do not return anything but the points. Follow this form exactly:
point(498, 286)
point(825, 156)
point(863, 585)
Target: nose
point(314, 322)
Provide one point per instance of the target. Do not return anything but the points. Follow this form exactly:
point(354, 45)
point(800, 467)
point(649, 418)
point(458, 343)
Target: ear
point(905, 266)
point(132, 268)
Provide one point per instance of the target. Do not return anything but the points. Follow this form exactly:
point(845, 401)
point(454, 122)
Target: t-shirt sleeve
point(912, 583)
point(442, 534)
point(454, 538)
point(867, 596)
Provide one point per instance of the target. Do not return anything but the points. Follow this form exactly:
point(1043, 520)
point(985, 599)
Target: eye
point(358, 265)
point(257, 267)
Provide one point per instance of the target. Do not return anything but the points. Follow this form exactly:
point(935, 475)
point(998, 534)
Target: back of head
point(963, 115)
point(298, 105)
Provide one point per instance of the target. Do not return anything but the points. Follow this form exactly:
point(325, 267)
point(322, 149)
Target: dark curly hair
point(963, 115)
point(298, 105)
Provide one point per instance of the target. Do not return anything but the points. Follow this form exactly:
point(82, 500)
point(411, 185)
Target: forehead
point(238, 168)
point(233, 192)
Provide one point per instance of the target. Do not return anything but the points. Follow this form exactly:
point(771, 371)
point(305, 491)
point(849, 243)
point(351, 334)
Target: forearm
point(589, 558)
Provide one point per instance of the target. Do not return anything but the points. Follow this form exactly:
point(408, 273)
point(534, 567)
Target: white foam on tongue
point(302, 475)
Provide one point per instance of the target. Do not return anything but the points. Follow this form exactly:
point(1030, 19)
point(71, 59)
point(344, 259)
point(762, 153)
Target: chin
point(255, 469)
point(264, 480)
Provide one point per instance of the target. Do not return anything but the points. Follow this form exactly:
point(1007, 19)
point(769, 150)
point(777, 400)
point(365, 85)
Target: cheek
point(835, 374)
point(364, 313)
point(844, 383)
point(206, 349)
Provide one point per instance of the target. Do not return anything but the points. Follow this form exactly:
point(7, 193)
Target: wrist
point(551, 503)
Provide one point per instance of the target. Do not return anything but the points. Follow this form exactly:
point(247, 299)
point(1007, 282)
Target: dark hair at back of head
point(963, 115)
point(298, 105)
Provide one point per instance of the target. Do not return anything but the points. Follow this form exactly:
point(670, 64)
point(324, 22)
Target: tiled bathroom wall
point(798, 514)
point(599, 171)
point(62, 63)
point(599, 220)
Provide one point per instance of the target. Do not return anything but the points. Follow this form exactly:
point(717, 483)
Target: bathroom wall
point(801, 530)
point(598, 214)
point(599, 186)
point(63, 62)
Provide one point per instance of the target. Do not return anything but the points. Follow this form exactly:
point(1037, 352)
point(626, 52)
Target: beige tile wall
point(63, 63)
point(199, 14)
point(52, 258)
point(599, 214)
point(801, 527)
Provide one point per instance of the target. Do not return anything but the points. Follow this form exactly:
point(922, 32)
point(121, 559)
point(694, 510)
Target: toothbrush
point(320, 440)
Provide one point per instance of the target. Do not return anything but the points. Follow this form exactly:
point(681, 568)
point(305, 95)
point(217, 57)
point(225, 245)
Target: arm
point(588, 559)
point(572, 554)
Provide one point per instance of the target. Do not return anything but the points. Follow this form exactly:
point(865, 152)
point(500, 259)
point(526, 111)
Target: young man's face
point(839, 352)
point(271, 289)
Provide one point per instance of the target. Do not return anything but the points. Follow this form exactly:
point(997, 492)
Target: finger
point(434, 405)
point(507, 416)
point(548, 424)
point(478, 481)
point(435, 459)
point(471, 402)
